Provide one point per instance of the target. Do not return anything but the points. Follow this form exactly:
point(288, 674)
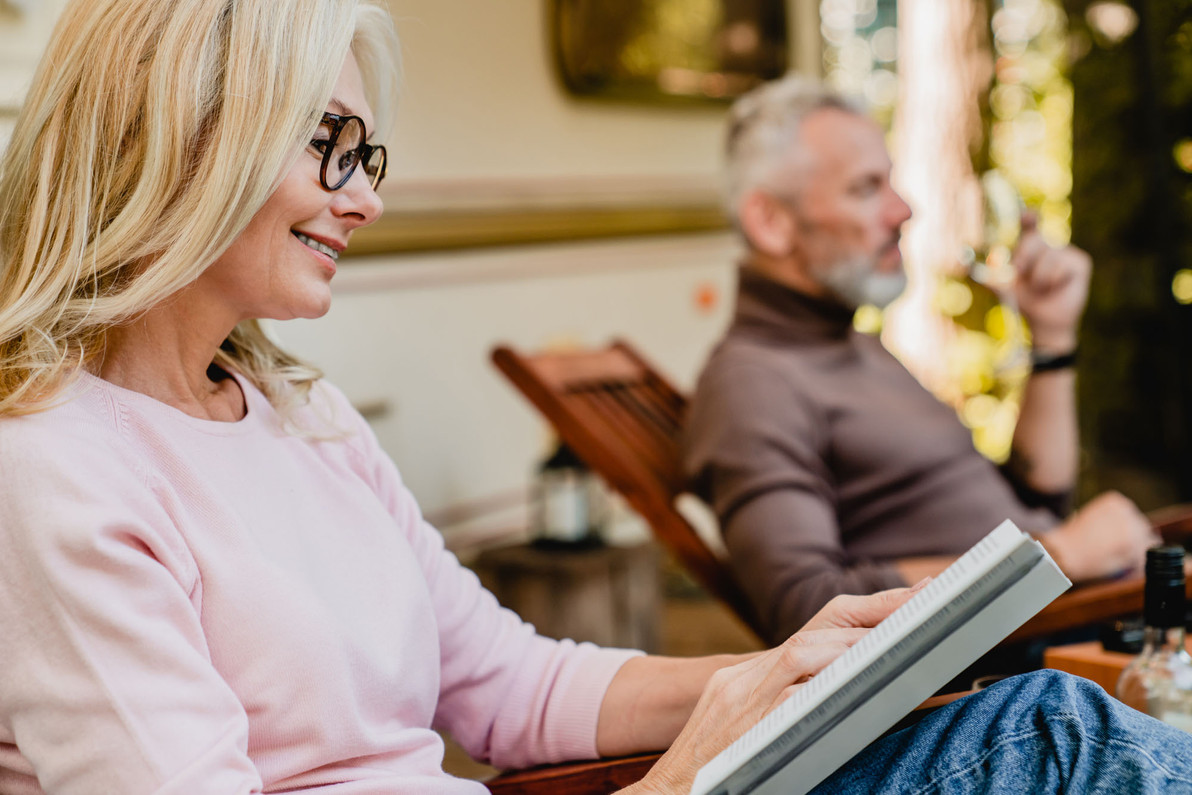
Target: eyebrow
point(338, 107)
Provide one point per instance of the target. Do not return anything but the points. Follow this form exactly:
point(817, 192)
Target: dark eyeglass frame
point(364, 153)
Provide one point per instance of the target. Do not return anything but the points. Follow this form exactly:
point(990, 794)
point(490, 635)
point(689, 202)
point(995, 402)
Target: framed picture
point(443, 215)
point(668, 50)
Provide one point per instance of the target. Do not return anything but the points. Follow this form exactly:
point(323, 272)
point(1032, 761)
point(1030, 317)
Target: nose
point(357, 202)
point(898, 212)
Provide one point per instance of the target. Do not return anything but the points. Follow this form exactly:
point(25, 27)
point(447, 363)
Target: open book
point(978, 600)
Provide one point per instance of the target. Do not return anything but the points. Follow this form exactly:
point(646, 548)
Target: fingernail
point(920, 585)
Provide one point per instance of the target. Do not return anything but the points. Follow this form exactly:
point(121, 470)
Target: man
point(830, 468)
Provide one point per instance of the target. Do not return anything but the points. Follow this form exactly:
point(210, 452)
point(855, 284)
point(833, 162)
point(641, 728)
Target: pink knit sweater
point(202, 607)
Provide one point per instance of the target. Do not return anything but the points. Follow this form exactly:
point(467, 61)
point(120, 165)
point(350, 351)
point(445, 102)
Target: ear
point(767, 224)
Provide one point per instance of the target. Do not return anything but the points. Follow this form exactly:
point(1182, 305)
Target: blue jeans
point(1037, 733)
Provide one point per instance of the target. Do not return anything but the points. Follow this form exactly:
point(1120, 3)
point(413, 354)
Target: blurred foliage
point(1132, 203)
point(861, 51)
point(1025, 164)
point(1030, 108)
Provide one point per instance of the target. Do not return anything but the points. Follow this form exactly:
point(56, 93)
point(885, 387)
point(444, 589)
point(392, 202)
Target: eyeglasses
point(340, 139)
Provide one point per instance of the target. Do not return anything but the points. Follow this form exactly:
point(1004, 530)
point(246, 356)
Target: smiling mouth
point(322, 248)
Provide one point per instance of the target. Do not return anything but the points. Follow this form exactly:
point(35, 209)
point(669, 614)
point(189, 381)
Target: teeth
point(317, 246)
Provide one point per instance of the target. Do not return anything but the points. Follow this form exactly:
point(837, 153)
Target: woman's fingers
point(862, 611)
point(801, 657)
point(738, 696)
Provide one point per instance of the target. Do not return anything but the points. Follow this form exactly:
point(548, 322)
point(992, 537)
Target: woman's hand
point(737, 697)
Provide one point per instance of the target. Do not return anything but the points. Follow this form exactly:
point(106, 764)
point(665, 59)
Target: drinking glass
point(989, 265)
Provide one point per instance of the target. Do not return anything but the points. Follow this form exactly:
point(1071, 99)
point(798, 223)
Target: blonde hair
point(120, 185)
point(763, 128)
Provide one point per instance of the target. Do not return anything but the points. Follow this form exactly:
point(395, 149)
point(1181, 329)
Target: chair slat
point(627, 430)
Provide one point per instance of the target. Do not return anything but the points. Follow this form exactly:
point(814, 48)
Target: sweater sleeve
point(508, 695)
point(1059, 503)
point(756, 452)
point(107, 685)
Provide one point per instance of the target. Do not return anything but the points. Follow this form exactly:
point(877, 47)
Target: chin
point(316, 312)
point(881, 290)
point(311, 306)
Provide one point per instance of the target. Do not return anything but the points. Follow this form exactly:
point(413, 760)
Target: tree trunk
point(945, 67)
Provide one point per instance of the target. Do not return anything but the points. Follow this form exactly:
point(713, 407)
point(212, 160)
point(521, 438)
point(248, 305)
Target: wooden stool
point(607, 595)
point(1091, 661)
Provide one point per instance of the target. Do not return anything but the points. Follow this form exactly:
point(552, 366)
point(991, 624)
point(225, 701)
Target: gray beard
point(853, 282)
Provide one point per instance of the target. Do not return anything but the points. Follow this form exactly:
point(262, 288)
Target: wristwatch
point(1041, 361)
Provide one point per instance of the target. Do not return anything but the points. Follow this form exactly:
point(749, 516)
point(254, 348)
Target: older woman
point(211, 577)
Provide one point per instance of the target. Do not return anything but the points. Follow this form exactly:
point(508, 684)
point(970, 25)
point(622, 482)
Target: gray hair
point(763, 126)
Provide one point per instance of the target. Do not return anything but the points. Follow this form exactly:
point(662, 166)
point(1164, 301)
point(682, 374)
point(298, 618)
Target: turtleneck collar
point(770, 309)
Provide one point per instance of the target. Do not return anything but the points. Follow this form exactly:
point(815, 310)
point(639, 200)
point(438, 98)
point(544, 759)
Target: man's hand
point(1052, 288)
point(1109, 536)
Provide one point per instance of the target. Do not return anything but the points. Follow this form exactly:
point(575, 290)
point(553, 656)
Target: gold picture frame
point(447, 215)
point(669, 51)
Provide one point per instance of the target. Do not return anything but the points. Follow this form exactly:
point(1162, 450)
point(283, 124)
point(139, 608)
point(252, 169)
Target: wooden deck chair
point(624, 419)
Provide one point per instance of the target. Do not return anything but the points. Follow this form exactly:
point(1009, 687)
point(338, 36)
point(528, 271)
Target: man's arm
point(784, 548)
point(1044, 455)
point(1051, 288)
point(1108, 536)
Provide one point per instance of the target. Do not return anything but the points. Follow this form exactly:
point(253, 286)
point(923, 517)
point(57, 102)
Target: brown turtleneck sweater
point(825, 460)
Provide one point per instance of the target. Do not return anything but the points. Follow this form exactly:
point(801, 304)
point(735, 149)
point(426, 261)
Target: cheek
point(300, 197)
point(875, 223)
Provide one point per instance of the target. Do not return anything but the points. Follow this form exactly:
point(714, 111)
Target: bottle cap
point(1165, 564)
point(1164, 595)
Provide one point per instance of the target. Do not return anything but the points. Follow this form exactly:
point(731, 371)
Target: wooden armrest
point(609, 775)
point(1173, 523)
point(1099, 602)
point(1086, 605)
point(574, 778)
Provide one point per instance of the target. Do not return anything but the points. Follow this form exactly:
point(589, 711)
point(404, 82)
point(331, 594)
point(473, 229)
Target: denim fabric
point(1040, 732)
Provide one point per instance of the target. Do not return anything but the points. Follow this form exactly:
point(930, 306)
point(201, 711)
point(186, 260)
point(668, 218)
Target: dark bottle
point(1159, 680)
